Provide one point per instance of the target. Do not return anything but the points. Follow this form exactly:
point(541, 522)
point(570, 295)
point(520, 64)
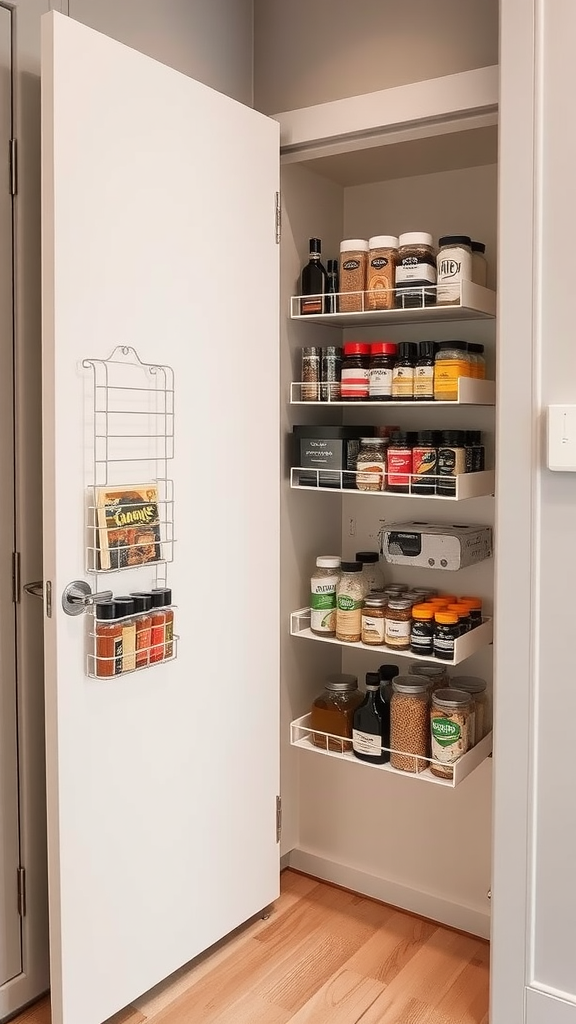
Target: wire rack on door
point(130, 504)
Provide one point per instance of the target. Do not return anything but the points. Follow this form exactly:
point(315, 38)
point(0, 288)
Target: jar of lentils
point(409, 724)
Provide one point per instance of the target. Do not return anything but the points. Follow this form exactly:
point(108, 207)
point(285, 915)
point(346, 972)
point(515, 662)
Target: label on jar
point(454, 266)
point(451, 461)
point(424, 382)
point(129, 647)
point(446, 374)
point(355, 383)
point(444, 644)
point(372, 629)
point(348, 618)
point(397, 629)
point(350, 265)
point(450, 736)
point(424, 461)
point(403, 382)
point(366, 743)
point(410, 269)
point(399, 467)
point(380, 382)
point(370, 476)
point(323, 604)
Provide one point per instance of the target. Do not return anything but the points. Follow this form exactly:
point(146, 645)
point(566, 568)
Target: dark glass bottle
point(403, 372)
point(332, 287)
point(314, 281)
point(424, 372)
point(369, 725)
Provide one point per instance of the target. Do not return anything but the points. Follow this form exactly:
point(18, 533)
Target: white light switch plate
point(562, 438)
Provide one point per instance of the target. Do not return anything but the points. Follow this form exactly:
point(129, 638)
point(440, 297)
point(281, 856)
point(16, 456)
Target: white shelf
point(464, 647)
point(301, 737)
point(476, 303)
point(468, 485)
point(470, 392)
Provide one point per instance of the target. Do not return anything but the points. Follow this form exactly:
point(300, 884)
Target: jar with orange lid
point(448, 598)
point(422, 631)
point(463, 613)
point(475, 606)
point(446, 632)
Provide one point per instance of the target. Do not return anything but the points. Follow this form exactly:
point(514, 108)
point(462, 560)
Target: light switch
point(562, 438)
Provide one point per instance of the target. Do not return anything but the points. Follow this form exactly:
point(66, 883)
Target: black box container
point(329, 451)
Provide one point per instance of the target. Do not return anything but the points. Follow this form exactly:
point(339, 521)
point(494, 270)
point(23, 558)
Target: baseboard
point(454, 915)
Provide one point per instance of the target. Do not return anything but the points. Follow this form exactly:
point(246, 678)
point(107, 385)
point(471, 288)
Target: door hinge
point(15, 577)
point(13, 159)
point(22, 892)
point(278, 819)
point(278, 218)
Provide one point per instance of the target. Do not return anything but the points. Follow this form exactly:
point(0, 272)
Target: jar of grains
point(371, 464)
point(373, 621)
point(451, 728)
point(437, 675)
point(353, 266)
point(415, 269)
point(381, 277)
point(398, 624)
point(477, 689)
point(349, 601)
point(333, 712)
point(454, 265)
point(323, 595)
point(409, 724)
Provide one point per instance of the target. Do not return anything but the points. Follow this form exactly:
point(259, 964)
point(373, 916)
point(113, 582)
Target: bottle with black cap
point(332, 287)
point(371, 730)
point(127, 608)
point(162, 624)
point(386, 674)
point(425, 462)
point(403, 372)
point(314, 281)
point(108, 639)
point(424, 372)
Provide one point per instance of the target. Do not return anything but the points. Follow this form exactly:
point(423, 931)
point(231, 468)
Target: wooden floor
point(324, 957)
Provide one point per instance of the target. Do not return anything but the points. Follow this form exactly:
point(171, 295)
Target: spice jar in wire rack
point(323, 595)
point(398, 624)
point(409, 724)
point(454, 265)
point(373, 619)
point(415, 270)
point(310, 374)
point(349, 601)
point(353, 266)
point(381, 275)
point(451, 726)
point(330, 371)
point(355, 375)
point(333, 712)
point(380, 370)
point(108, 640)
point(371, 464)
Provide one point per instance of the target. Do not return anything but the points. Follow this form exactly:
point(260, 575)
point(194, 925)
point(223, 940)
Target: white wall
point(312, 51)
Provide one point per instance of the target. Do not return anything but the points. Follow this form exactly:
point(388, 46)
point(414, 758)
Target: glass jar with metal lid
point(373, 619)
point(398, 623)
point(333, 712)
point(476, 687)
point(437, 675)
point(353, 268)
point(415, 269)
point(451, 728)
point(371, 464)
point(409, 724)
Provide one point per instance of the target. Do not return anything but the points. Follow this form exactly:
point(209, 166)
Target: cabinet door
point(159, 235)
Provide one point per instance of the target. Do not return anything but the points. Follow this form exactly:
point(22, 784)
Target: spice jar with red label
point(162, 599)
point(143, 622)
point(400, 462)
point(355, 377)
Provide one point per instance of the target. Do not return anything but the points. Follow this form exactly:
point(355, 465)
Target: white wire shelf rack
point(464, 646)
point(328, 745)
point(475, 303)
point(471, 391)
point(163, 648)
point(467, 485)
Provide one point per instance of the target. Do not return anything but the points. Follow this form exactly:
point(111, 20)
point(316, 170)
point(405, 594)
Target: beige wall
point(210, 40)
point(313, 51)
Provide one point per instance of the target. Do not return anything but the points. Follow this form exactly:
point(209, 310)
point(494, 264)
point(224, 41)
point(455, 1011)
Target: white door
point(159, 236)
point(10, 942)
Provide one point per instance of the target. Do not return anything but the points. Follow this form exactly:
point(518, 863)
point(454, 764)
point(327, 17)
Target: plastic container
point(349, 601)
point(451, 461)
point(323, 595)
point(454, 265)
point(372, 574)
point(333, 712)
point(353, 271)
point(451, 728)
point(446, 632)
point(475, 606)
point(381, 273)
point(409, 724)
point(437, 675)
point(415, 269)
point(398, 623)
point(380, 370)
point(476, 687)
point(450, 363)
point(355, 378)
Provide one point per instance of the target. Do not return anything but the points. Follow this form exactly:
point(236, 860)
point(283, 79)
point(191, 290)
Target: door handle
point(35, 589)
point(78, 597)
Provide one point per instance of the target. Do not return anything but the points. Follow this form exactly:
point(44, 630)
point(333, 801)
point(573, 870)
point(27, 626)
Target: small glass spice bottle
point(126, 608)
point(479, 264)
point(446, 632)
point(424, 372)
point(475, 606)
point(310, 374)
point(415, 270)
point(451, 461)
point(355, 385)
point(400, 462)
point(349, 601)
point(398, 624)
point(380, 370)
point(463, 613)
point(372, 574)
point(353, 266)
point(161, 600)
point(143, 622)
point(373, 621)
point(425, 463)
point(381, 274)
point(403, 372)
point(422, 631)
point(371, 464)
point(108, 639)
point(330, 370)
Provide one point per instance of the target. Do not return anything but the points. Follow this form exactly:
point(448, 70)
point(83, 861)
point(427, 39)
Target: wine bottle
point(371, 729)
point(314, 280)
point(331, 300)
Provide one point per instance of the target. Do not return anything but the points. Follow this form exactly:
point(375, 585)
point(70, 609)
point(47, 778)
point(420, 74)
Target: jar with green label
point(452, 729)
point(349, 602)
point(323, 595)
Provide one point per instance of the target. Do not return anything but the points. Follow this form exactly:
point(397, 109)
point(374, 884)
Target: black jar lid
point(315, 245)
point(462, 346)
point(372, 681)
point(107, 610)
point(161, 596)
point(398, 437)
point(407, 350)
point(454, 437)
point(474, 347)
point(427, 437)
point(351, 566)
point(367, 557)
point(332, 351)
point(125, 605)
point(388, 672)
point(426, 349)
point(455, 240)
point(478, 247)
point(310, 352)
point(142, 602)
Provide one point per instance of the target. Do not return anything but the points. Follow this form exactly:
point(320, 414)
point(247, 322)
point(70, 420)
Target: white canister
point(479, 265)
point(454, 265)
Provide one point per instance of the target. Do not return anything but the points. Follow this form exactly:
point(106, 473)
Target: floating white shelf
point(464, 647)
point(301, 736)
point(476, 303)
point(470, 392)
point(468, 485)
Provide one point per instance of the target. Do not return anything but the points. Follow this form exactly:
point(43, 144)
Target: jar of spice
point(373, 622)
point(108, 639)
point(424, 372)
point(403, 372)
point(451, 461)
point(424, 463)
point(463, 613)
point(398, 624)
point(479, 265)
point(162, 599)
point(143, 623)
point(422, 631)
point(355, 381)
point(400, 462)
point(310, 375)
point(446, 632)
point(353, 270)
point(415, 269)
point(409, 724)
point(125, 606)
point(349, 601)
point(323, 595)
point(477, 689)
point(382, 363)
point(333, 712)
point(372, 574)
point(371, 464)
point(381, 278)
point(451, 727)
point(330, 372)
point(454, 265)
point(450, 363)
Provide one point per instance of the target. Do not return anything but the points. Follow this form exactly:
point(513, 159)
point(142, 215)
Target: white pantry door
point(159, 235)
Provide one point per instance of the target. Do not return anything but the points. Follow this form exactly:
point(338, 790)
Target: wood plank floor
point(324, 957)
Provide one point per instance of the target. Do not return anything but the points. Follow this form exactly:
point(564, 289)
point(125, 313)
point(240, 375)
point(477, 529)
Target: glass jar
point(382, 363)
point(437, 675)
point(333, 712)
point(143, 622)
point(451, 728)
point(454, 265)
point(475, 606)
point(373, 620)
point(403, 372)
point(399, 462)
point(310, 374)
point(479, 264)
point(463, 613)
point(162, 624)
point(415, 269)
point(323, 595)
point(354, 375)
point(349, 601)
point(381, 275)
point(478, 362)
point(353, 272)
point(424, 372)
point(398, 623)
point(422, 632)
point(127, 608)
point(108, 639)
point(425, 462)
point(372, 574)
point(371, 464)
point(330, 373)
point(451, 461)
point(409, 724)
point(450, 363)
point(476, 687)
point(446, 632)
